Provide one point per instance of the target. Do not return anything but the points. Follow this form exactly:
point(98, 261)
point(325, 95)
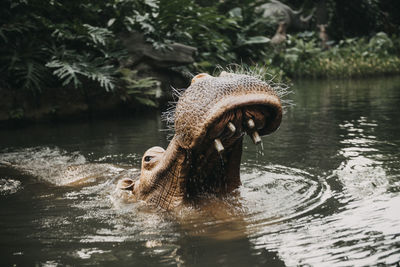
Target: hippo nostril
point(218, 145)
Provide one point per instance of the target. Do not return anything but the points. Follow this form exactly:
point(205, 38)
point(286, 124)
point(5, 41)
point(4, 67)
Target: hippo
point(210, 120)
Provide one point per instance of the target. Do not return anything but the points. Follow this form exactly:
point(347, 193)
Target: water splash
point(260, 149)
point(56, 166)
point(9, 186)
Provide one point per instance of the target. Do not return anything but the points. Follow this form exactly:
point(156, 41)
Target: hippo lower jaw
point(204, 155)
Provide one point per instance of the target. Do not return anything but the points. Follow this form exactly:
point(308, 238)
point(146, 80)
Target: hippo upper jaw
point(205, 153)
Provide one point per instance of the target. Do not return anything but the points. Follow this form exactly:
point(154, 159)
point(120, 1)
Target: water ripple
point(277, 193)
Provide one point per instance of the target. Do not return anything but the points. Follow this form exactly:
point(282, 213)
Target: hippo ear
point(126, 184)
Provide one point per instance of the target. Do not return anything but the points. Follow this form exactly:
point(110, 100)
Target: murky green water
point(324, 192)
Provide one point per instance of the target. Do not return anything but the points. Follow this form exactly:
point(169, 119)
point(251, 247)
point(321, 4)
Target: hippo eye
point(147, 158)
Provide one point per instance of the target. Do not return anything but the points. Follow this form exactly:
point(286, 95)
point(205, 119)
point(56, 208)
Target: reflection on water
point(361, 172)
point(324, 191)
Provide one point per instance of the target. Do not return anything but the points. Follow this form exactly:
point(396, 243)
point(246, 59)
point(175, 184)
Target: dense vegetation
point(54, 44)
point(352, 57)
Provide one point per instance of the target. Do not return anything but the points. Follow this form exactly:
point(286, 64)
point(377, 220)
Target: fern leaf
point(65, 71)
point(98, 35)
point(106, 81)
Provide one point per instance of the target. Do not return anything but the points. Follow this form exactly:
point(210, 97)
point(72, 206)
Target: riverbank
point(63, 104)
point(302, 57)
point(69, 104)
point(127, 56)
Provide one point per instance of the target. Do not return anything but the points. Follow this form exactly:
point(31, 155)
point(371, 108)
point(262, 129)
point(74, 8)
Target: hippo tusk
point(250, 124)
point(256, 138)
point(231, 127)
point(218, 145)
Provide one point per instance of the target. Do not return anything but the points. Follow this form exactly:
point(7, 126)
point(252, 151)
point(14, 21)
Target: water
point(324, 192)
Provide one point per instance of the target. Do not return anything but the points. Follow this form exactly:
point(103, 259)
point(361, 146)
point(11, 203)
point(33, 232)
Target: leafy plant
point(38, 41)
point(62, 43)
point(350, 57)
point(146, 91)
point(69, 70)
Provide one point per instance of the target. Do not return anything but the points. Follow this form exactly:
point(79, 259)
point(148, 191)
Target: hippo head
point(211, 118)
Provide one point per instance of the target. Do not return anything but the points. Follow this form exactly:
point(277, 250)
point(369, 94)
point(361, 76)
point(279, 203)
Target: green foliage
point(146, 91)
point(355, 18)
point(202, 27)
point(69, 71)
point(47, 43)
point(380, 44)
point(58, 43)
point(351, 57)
point(21, 60)
point(16, 114)
point(63, 43)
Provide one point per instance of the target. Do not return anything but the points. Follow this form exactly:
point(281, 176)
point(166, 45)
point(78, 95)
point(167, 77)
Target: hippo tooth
point(218, 145)
point(231, 127)
point(251, 124)
point(256, 138)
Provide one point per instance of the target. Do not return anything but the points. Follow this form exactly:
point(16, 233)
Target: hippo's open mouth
point(211, 118)
point(216, 157)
